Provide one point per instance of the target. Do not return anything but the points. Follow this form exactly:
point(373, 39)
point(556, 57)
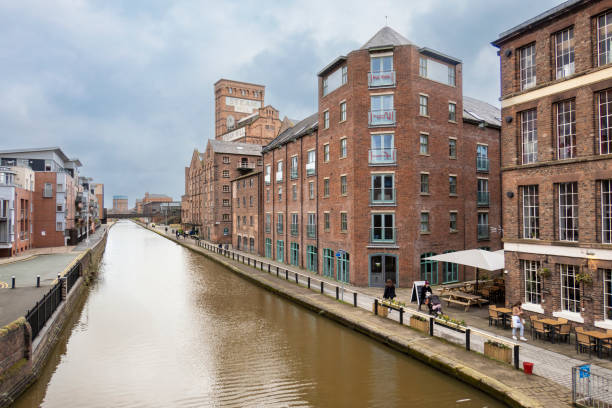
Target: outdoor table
point(505, 312)
point(462, 299)
point(552, 323)
point(598, 336)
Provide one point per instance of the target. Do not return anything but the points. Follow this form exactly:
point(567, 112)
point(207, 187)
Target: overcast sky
point(127, 86)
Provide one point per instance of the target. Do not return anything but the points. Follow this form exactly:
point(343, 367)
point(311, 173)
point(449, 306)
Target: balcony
point(311, 231)
point(483, 231)
point(245, 166)
point(279, 176)
point(294, 230)
point(267, 179)
point(383, 117)
point(279, 228)
point(382, 195)
point(382, 235)
point(382, 156)
point(310, 169)
point(482, 164)
point(483, 198)
point(268, 228)
point(381, 78)
point(294, 174)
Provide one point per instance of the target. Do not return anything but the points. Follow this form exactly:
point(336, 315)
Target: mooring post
point(13, 282)
point(321, 287)
point(467, 339)
point(309, 282)
point(337, 292)
point(277, 271)
point(268, 268)
point(516, 356)
point(401, 315)
point(286, 274)
point(38, 281)
point(376, 307)
point(296, 279)
point(355, 299)
point(431, 326)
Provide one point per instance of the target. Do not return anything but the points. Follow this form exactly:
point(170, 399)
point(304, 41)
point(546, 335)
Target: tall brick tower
point(235, 100)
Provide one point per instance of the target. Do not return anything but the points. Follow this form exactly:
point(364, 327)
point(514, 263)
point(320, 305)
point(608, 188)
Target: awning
point(478, 258)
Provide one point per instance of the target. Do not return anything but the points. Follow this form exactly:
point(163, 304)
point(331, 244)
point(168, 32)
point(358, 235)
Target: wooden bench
point(467, 304)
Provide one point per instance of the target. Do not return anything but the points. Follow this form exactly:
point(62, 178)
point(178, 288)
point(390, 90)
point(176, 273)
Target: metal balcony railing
point(483, 231)
point(381, 78)
point(279, 228)
point(382, 195)
point(279, 176)
point(310, 168)
point(381, 117)
point(311, 231)
point(268, 228)
point(294, 229)
point(246, 166)
point(384, 235)
point(294, 174)
point(382, 156)
point(482, 163)
point(483, 198)
point(267, 179)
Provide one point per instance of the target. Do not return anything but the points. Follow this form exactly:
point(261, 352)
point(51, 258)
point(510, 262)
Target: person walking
point(389, 290)
point(517, 321)
point(423, 298)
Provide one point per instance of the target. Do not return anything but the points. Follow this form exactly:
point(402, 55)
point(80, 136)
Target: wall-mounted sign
point(242, 105)
point(235, 134)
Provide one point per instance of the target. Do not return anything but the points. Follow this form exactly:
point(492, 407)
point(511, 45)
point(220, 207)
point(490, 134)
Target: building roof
point(238, 82)
point(541, 18)
point(221, 146)
point(475, 110)
point(247, 175)
point(385, 37)
point(302, 128)
point(56, 150)
point(152, 195)
point(120, 197)
point(439, 55)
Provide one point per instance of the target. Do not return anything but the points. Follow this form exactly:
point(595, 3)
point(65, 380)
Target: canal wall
point(23, 359)
point(501, 381)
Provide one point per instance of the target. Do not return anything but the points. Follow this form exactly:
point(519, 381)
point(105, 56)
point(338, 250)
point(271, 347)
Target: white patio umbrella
point(478, 258)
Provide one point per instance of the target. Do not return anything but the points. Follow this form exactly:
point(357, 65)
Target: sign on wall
point(242, 105)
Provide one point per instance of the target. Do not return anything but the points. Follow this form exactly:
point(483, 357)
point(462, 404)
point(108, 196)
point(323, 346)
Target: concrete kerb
point(415, 348)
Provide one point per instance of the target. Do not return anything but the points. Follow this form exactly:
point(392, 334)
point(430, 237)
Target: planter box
point(419, 324)
point(450, 325)
point(502, 354)
point(383, 311)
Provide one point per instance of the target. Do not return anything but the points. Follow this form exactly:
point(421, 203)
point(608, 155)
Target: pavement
point(46, 262)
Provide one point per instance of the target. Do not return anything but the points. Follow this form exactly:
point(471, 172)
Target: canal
point(165, 327)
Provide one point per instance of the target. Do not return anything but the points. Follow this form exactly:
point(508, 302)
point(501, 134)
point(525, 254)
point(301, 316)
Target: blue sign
point(340, 253)
point(585, 371)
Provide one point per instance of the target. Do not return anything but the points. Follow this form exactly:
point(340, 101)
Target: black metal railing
point(72, 276)
point(38, 316)
point(482, 163)
point(483, 231)
point(483, 198)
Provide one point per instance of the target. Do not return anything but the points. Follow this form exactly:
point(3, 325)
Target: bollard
point(355, 299)
point(376, 307)
point(277, 271)
point(467, 339)
point(268, 268)
point(431, 326)
point(516, 357)
point(249, 261)
point(309, 282)
point(321, 287)
point(296, 279)
point(337, 293)
point(38, 281)
point(401, 315)
point(286, 274)
point(233, 256)
point(13, 282)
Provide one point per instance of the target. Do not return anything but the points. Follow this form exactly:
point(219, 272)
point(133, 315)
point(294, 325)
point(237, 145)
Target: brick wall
point(246, 204)
point(45, 213)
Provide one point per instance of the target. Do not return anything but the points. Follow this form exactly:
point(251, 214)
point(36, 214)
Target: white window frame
point(568, 276)
point(568, 211)
point(566, 129)
point(533, 282)
point(564, 53)
point(527, 58)
point(529, 136)
point(531, 212)
point(604, 32)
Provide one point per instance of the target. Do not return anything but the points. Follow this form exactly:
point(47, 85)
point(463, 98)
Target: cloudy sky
point(127, 86)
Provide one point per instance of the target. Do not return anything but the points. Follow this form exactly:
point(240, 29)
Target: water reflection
point(165, 327)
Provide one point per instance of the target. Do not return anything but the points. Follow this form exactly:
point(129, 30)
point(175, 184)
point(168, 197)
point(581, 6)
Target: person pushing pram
point(434, 304)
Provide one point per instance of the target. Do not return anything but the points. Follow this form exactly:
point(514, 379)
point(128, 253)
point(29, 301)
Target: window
point(280, 223)
point(251, 220)
point(482, 158)
point(294, 253)
point(59, 226)
point(343, 267)
point(383, 228)
point(326, 119)
point(483, 225)
point(226, 173)
point(452, 185)
point(564, 53)
point(436, 71)
point(250, 201)
point(423, 67)
point(453, 221)
point(606, 211)
point(381, 110)
point(325, 86)
point(294, 192)
point(566, 129)
point(424, 183)
point(268, 175)
point(452, 112)
point(226, 188)
point(382, 151)
point(311, 228)
point(604, 39)
point(226, 159)
point(343, 186)
point(570, 289)
point(343, 148)
point(568, 211)
point(326, 187)
point(311, 258)
point(605, 122)
point(311, 163)
point(607, 289)
point(226, 203)
point(294, 224)
point(268, 248)
point(424, 144)
point(531, 212)
point(533, 284)
point(343, 222)
point(225, 217)
point(528, 66)
point(328, 262)
point(342, 111)
point(381, 71)
point(452, 148)
point(326, 221)
point(268, 195)
point(60, 208)
point(344, 75)
point(423, 108)
point(238, 202)
point(424, 222)
point(429, 268)
point(529, 136)
point(279, 171)
point(280, 194)
point(450, 272)
point(482, 192)
point(383, 190)
point(268, 222)
point(48, 190)
point(326, 152)
point(311, 190)
point(294, 167)
point(60, 188)
point(280, 250)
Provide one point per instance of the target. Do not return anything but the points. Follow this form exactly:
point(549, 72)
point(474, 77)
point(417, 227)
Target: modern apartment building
point(556, 98)
point(396, 166)
point(247, 226)
point(16, 210)
point(120, 204)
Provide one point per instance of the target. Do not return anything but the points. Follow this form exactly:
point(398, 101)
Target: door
point(382, 267)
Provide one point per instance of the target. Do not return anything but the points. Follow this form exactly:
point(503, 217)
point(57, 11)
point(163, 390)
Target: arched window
point(451, 271)
point(429, 269)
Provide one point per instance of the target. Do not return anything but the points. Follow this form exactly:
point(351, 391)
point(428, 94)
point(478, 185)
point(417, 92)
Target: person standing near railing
point(517, 321)
point(389, 290)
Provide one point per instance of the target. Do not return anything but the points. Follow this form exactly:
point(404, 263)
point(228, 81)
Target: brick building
point(247, 226)
point(120, 204)
point(556, 162)
point(192, 200)
point(396, 166)
point(16, 210)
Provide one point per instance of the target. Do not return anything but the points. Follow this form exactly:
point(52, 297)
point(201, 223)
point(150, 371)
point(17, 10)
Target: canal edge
point(416, 349)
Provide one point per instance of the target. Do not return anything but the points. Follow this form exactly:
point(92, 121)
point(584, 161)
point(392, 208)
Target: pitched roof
point(302, 128)
point(475, 110)
point(384, 37)
point(221, 146)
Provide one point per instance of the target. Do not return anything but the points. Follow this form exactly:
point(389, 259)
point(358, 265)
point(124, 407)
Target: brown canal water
point(165, 327)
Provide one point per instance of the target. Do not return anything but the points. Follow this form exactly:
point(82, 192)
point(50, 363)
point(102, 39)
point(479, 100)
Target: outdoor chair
point(564, 332)
point(494, 317)
point(561, 320)
point(532, 318)
point(584, 342)
point(540, 329)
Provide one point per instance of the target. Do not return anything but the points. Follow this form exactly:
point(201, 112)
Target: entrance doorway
point(382, 267)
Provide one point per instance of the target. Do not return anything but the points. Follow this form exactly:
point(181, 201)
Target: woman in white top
point(517, 321)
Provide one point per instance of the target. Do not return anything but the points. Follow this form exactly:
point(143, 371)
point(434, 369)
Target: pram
point(435, 305)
